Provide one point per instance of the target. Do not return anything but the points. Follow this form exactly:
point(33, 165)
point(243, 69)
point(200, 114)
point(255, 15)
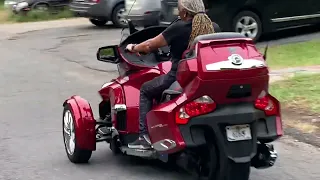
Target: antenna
point(265, 52)
point(128, 14)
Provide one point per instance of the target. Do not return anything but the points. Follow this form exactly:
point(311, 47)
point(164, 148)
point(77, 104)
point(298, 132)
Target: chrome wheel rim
point(68, 131)
point(247, 26)
point(121, 17)
point(41, 8)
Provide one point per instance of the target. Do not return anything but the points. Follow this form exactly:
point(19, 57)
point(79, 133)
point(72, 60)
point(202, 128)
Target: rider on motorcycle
point(178, 36)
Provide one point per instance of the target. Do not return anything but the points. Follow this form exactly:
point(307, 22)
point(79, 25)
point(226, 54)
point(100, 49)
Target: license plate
point(238, 132)
point(175, 11)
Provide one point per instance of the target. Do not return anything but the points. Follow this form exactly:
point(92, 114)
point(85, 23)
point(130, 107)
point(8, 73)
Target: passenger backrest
point(216, 27)
point(217, 36)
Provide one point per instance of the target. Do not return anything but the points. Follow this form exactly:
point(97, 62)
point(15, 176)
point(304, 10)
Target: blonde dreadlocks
point(201, 23)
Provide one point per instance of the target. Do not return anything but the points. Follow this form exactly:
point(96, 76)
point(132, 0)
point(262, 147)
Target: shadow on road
point(292, 33)
point(108, 26)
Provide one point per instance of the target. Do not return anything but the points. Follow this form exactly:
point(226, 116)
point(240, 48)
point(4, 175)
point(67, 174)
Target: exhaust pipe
point(266, 156)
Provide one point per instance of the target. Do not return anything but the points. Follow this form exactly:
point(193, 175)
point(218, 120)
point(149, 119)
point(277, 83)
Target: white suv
point(143, 12)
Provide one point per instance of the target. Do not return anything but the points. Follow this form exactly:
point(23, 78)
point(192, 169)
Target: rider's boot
point(143, 142)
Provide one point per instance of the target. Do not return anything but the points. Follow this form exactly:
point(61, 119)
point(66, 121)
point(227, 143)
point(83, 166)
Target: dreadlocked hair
point(201, 23)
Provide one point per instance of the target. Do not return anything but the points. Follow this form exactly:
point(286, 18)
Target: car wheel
point(118, 18)
point(74, 153)
point(248, 24)
point(98, 22)
point(41, 7)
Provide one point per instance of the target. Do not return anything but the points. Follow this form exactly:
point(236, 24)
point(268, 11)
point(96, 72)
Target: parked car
point(9, 3)
point(100, 12)
point(143, 12)
point(253, 18)
point(43, 5)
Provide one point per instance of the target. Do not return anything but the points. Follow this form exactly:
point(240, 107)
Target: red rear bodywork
point(209, 72)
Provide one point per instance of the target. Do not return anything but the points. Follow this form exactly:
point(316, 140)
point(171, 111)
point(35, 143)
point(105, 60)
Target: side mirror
point(132, 29)
point(108, 54)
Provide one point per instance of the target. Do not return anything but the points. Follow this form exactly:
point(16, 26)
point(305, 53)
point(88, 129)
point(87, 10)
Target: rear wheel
point(41, 7)
point(118, 18)
point(209, 166)
point(238, 171)
point(74, 153)
point(98, 22)
point(249, 24)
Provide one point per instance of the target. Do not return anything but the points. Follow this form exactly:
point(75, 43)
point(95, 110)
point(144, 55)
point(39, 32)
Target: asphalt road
point(39, 70)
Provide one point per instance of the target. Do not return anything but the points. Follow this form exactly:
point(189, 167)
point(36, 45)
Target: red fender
point(84, 122)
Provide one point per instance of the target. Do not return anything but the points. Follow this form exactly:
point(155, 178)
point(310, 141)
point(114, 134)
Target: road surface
point(39, 70)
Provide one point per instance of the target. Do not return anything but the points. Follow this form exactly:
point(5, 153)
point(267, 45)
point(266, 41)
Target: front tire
point(74, 153)
point(98, 22)
point(249, 24)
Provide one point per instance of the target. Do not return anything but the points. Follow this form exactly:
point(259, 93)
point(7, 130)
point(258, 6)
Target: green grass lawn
point(302, 91)
point(8, 17)
point(293, 55)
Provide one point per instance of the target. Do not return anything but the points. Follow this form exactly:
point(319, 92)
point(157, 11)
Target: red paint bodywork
point(192, 76)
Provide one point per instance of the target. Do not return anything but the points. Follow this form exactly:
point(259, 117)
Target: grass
point(3, 13)
point(8, 17)
point(301, 91)
point(294, 55)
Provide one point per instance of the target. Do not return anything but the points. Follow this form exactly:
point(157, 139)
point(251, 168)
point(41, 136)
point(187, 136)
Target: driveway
point(39, 70)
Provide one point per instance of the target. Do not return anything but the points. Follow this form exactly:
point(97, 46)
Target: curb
point(8, 30)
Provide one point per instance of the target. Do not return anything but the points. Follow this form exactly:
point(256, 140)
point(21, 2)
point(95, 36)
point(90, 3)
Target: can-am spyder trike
point(216, 121)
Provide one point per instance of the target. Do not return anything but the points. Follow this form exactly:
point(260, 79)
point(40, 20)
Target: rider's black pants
point(148, 92)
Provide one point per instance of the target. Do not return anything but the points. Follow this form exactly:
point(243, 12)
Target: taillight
point(271, 107)
point(200, 106)
point(268, 104)
point(96, 1)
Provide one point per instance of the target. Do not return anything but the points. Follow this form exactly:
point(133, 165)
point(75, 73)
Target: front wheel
point(74, 153)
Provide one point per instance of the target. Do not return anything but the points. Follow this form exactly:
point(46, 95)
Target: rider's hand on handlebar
point(130, 48)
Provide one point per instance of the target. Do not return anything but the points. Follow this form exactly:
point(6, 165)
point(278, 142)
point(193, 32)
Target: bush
point(40, 16)
point(33, 15)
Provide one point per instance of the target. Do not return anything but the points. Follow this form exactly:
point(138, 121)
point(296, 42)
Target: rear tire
point(74, 153)
point(117, 16)
point(41, 7)
point(238, 171)
point(209, 171)
point(249, 24)
point(98, 22)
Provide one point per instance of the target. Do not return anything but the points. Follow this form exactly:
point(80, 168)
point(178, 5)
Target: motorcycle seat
point(174, 90)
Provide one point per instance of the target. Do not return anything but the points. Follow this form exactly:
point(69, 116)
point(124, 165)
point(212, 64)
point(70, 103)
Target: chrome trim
point(164, 145)
point(106, 84)
point(295, 18)
point(119, 107)
point(78, 7)
point(144, 153)
point(78, 10)
point(226, 65)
